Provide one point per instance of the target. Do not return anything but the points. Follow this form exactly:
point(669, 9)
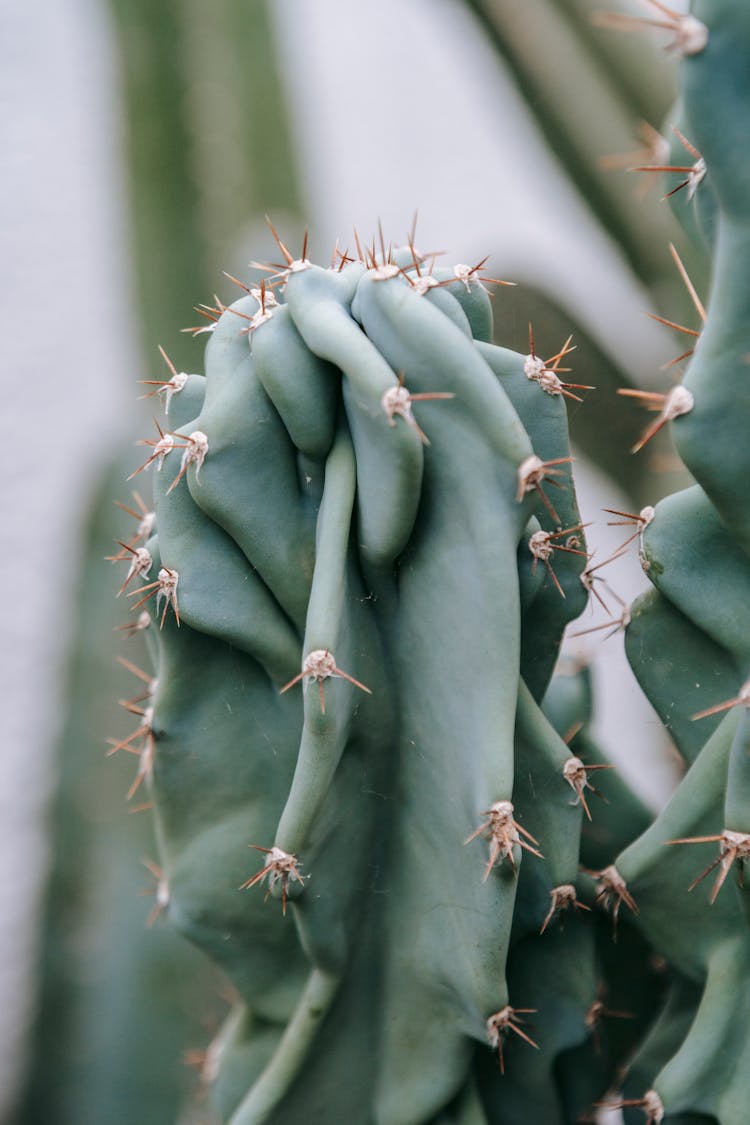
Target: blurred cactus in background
point(364, 552)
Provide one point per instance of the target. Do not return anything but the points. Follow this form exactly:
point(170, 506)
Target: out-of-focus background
point(143, 143)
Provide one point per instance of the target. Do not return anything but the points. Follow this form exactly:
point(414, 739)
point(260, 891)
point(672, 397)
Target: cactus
point(371, 796)
point(367, 548)
point(686, 640)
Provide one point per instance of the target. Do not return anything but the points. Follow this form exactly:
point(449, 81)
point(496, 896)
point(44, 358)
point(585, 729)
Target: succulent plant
point(373, 799)
point(687, 639)
point(366, 550)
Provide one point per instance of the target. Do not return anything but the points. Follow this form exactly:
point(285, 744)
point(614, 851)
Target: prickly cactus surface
point(688, 640)
point(365, 551)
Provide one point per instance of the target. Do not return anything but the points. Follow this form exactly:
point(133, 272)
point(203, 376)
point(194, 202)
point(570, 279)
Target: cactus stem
point(279, 867)
point(397, 401)
point(504, 833)
point(161, 448)
point(319, 665)
point(533, 473)
point(562, 898)
point(165, 587)
point(576, 775)
point(161, 890)
point(734, 846)
point(650, 1103)
point(742, 697)
point(677, 402)
point(612, 891)
point(504, 1021)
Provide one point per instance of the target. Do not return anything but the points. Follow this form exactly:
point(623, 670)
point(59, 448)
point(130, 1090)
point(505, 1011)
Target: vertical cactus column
point(365, 553)
point(688, 638)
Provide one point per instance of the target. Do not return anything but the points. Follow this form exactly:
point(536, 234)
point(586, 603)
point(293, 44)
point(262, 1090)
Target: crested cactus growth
point(373, 801)
point(366, 550)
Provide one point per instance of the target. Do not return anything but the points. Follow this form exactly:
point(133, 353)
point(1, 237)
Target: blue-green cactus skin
point(360, 498)
point(688, 638)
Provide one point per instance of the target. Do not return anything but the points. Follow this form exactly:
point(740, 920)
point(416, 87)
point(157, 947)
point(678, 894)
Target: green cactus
point(687, 642)
point(362, 569)
point(365, 562)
